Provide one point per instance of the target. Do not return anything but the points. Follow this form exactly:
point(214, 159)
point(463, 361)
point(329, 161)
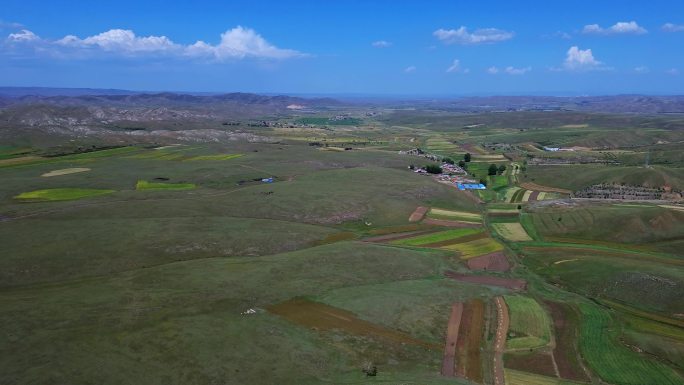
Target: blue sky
point(347, 47)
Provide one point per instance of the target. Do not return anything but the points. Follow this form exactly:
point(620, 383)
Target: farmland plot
point(529, 325)
point(613, 362)
point(513, 232)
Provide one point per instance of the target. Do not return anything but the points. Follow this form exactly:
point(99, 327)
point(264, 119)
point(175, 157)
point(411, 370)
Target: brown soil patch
point(566, 353)
point(538, 187)
point(489, 262)
point(509, 283)
point(468, 353)
point(447, 223)
point(337, 237)
point(500, 339)
point(418, 214)
point(533, 196)
point(451, 339)
point(537, 363)
point(20, 160)
point(396, 236)
point(319, 316)
point(467, 238)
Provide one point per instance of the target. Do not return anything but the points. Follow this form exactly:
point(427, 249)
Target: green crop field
point(615, 363)
point(436, 237)
point(61, 194)
point(145, 185)
point(529, 323)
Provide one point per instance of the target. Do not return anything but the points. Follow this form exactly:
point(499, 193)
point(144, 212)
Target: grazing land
point(248, 239)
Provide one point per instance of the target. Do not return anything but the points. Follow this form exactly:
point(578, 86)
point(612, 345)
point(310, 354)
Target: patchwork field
point(148, 258)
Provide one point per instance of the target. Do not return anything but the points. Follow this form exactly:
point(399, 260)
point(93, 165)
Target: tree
point(502, 168)
point(433, 169)
point(492, 169)
point(461, 164)
point(483, 182)
point(466, 157)
point(448, 160)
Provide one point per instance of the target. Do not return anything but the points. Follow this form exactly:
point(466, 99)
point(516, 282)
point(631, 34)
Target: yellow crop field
point(511, 232)
point(475, 248)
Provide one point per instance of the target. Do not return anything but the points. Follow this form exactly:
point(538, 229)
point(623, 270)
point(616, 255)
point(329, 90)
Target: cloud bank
point(621, 27)
point(478, 36)
point(235, 44)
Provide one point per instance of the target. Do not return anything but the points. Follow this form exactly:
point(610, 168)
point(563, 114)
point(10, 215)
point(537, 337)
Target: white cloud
point(479, 36)
point(122, 41)
point(621, 27)
point(642, 70)
point(410, 69)
point(669, 27)
point(455, 67)
point(581, 60)
point(509, 70)
point(672, 71)
point(237, 43)
point(23, 36)
point(381, 44)
point(517, 71)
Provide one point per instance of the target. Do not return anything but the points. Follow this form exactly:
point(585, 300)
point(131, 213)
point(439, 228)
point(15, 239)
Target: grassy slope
point(529, 324)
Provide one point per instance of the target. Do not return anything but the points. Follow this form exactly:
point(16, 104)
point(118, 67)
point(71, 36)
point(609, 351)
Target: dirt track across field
point(448, 362)
point(418, 214)
point(489, 262)
point(500, 339)
point(509, 283)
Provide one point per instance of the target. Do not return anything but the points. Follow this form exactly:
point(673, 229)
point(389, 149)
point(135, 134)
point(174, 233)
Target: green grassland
point(529, 323)
point(173, 286)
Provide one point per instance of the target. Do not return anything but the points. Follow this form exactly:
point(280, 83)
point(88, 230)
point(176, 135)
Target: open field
point(452, 333)
point(175, 260)
point(509, 283)
point(470, 340)
point(529, 324)
point(60, 194)
point(513, 232)
point(437, 237)
point(323, 317)
point(613, 362)
point(461, 216)
point(489, 262)
point(475, 248)
point(151, 186)
point(66, 171)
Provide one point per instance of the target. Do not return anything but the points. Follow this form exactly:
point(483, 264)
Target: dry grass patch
point(66, 171)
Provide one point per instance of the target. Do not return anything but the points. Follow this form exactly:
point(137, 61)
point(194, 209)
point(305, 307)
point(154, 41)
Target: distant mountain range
point(639, 104)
